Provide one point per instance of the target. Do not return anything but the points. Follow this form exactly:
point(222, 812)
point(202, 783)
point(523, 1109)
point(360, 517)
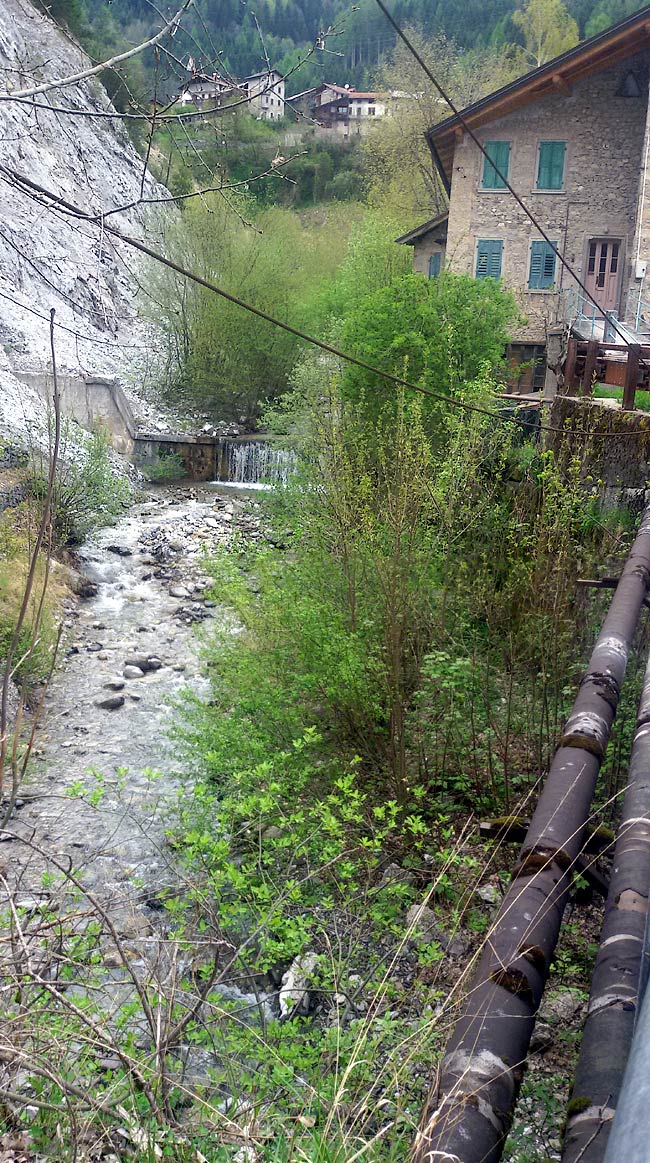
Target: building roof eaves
point(589, 56)
point(425, 228)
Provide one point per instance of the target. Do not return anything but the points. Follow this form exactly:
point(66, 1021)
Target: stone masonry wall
point(616, 443)
point(638, 292)
point(605, 136)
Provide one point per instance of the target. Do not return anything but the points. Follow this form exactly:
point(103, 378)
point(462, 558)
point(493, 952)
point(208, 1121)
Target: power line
point(502, 177)
point(70, 330)
point(19, 181)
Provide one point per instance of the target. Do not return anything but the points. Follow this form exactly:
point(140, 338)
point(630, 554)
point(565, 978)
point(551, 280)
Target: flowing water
point(105, 775)
point(254, 463)
point(91, 801)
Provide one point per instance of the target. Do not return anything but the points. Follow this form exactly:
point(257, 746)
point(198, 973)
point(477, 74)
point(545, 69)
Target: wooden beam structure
point(631, 376)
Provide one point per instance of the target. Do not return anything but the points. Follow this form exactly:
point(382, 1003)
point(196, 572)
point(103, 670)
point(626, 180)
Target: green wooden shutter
point(542, 266)
point(488, 258)
point(550, 172)
point(434, 265)
point(499, 156)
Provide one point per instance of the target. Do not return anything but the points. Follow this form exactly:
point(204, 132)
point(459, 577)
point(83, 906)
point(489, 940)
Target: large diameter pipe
point(468, 1118)
point(613, 1000)
point(628, 1138)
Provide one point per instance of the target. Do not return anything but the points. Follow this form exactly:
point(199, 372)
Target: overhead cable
point(502, 177)
point(57, 202)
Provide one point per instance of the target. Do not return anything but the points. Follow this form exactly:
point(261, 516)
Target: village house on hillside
point(573, 139)
point(343, 110)
point(264, 92)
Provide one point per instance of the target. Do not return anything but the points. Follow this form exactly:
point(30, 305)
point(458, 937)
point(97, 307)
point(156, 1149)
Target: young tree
point(438, 333)
point(402, 179)
point(547, 28)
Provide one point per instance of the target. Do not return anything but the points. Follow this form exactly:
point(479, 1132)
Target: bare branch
point(75, 78)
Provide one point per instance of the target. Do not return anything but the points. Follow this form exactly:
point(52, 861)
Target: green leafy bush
point(88, 492)
point(164, 468)
point(438, 333)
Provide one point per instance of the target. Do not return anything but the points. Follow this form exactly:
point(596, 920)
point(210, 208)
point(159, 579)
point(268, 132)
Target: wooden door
point(602, 278)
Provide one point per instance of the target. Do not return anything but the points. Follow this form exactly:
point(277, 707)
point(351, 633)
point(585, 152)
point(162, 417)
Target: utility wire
point(75, 78)
point(19, 181)
point(529, 214)
point(70, 330)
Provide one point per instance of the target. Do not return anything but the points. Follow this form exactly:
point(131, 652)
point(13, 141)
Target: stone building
point(263, 93)
point(429, 242)
point(266, 94)
point(573, 139)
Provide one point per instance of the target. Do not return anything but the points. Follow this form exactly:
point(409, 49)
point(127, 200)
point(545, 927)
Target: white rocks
point(246, 1155)
point(424, 923)
point(179, 592)
point(561, 1008)
point(132, 672)
point(294, 993)
point(488, 893)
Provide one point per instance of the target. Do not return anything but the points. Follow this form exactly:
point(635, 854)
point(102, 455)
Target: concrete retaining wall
point(98, 400)
point(93, 401)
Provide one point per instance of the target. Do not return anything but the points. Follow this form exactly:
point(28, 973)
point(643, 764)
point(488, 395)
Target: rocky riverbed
point(129, 650)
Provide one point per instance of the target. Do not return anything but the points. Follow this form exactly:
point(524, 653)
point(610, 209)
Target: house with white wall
point(266, 94)
point(263, 93)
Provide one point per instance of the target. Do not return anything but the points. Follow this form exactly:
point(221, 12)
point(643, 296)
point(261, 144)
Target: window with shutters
point(550, 165)
point(542, 266)
point(498, 158)
point(435, 263)
point(488, 258)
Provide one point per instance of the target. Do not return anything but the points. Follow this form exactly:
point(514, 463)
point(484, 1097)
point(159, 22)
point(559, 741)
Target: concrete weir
point(198, 453)
point(99, 401)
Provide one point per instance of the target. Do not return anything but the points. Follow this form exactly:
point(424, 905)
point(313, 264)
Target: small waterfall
point(252, 463)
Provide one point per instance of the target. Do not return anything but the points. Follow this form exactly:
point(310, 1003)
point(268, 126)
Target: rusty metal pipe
point(613, 1000)
point(468, 1118)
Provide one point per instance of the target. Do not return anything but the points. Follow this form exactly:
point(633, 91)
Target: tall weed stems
point(18, 761)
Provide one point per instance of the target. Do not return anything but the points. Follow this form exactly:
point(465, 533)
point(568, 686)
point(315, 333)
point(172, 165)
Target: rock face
point(48, 259)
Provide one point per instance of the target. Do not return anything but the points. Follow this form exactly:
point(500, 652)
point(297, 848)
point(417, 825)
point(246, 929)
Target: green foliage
point(359, 589)
point(438, 333)
point(548, 30)
point(219, 355)
point(88, 491)
point(168, 467)
point(34, 650)
point(236, 148)
point(372, 262)
point(608, 391)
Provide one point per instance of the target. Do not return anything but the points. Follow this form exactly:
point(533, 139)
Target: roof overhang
point(437, 224)
point(600, 52)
